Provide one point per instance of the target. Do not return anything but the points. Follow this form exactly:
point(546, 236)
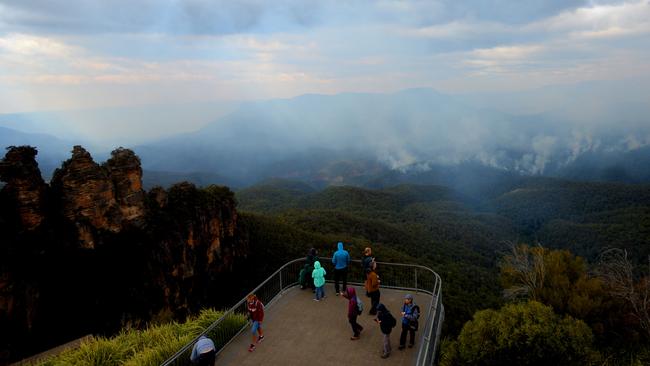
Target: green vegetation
point(569, 311)
point(151, 346)
point(521, 334)
point(560, 306)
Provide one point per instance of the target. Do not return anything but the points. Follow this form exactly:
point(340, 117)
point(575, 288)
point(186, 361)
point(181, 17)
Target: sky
point(81, 54)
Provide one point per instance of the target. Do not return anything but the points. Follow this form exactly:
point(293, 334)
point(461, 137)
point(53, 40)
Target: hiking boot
point(411, 345)
point(316, 300)
point(385, 355)
point(401, 347)
point(260, 339)
point(251, 348)
point(354, 338)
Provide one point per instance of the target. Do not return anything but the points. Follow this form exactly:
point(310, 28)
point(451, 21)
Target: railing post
point(416, 280)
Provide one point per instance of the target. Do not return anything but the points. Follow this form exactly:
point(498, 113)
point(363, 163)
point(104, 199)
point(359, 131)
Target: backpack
point(391, 321)
point(359, 306)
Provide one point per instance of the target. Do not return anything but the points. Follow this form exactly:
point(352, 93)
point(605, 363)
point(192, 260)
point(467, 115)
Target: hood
point(317, 265)
point(382, 308)
point(352, 293)
point(340, 245)
point(312, 251)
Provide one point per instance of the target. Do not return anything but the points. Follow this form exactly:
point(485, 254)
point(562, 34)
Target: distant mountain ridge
point(411, 136)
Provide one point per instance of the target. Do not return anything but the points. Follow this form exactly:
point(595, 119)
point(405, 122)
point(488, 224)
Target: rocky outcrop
point(94, 251)
point(24, 187)
point(95, 197)
point(126, 174)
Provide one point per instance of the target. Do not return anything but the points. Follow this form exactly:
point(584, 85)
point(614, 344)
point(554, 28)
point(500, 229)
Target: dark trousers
point(356, 327)
point(374, 301)
point(341, 275)
point(207, 359)
point(402, 337)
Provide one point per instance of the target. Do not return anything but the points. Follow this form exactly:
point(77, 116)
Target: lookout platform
point(301, 331)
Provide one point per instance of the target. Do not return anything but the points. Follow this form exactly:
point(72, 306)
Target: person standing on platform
point(341, 261)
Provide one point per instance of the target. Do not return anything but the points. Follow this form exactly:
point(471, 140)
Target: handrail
point(429, 337)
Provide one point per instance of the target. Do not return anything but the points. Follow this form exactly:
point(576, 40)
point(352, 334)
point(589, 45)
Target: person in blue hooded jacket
point(203, 353)
point(341, 261)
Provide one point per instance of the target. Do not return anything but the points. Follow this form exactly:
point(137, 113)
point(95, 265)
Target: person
point(302, 277)
point(319, 280)
point(410, 316)
point(203, 353)
point(353, 312)
point(341, 260)
point(386, 322)
point(312, 256)
point(256, 315)
point(367, 259)
point(372, 288)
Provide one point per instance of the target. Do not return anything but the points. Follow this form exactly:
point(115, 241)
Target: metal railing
point(396, 276)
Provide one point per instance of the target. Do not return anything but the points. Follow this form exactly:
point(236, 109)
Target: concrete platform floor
point(301, 331)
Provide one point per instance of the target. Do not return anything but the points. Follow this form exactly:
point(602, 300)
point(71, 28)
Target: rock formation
point(25, 186)
point(94, 251)
point(95, 197)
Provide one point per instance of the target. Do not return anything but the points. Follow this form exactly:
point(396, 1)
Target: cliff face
point(95, 197)
point(24, 185)
point(94, 251)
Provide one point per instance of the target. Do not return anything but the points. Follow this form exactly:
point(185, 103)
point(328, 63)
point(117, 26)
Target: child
point(410, 316)
point(386, 323)
point(353, 312)
point(256, 314)
point(319, 280)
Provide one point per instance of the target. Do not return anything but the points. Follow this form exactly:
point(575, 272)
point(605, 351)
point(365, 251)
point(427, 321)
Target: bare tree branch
point(617, 273)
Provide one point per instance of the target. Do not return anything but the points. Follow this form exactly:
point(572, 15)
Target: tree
point(521, 334)
point(552, 277)
point(617, 272)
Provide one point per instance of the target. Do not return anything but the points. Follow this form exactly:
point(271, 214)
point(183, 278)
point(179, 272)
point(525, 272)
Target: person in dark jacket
point(341, 261)
point(353, 312)
point(410, 316)
point(386, 322)
point(203, 352)
point(372, 288)
point(367, 259)
point(256, 315)
point(312, 257)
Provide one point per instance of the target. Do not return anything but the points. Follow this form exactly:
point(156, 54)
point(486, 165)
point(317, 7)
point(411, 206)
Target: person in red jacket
point(353, 312)
point(256, 315)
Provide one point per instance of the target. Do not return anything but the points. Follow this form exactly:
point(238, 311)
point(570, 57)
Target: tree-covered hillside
point(460, 237)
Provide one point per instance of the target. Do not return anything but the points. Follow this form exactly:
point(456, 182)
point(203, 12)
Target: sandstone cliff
point(24, 185)
point(94, 252)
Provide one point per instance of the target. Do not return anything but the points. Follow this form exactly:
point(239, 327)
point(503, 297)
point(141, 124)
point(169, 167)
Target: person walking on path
point(341, 261)
point(353, 312)
point(386, 322)
point(203, 353)
point(256, 314)
point(410, 316)
point(319, 280)
point(372, 288)
point(366, 260)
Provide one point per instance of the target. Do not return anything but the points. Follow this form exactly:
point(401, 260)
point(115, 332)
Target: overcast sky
point(79, 54)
